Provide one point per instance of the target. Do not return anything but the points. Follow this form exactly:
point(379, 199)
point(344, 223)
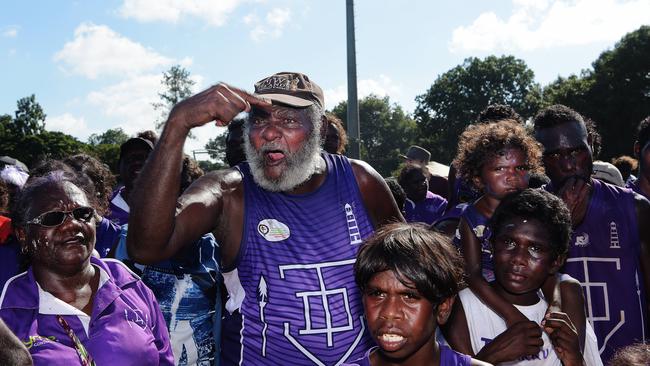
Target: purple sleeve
point(158, 328)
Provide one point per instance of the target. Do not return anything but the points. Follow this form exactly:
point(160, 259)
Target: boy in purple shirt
point(409, 277)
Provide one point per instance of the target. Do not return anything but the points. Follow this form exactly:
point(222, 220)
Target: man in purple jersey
point(608, 252)
point(289, 221)
point(642, 152)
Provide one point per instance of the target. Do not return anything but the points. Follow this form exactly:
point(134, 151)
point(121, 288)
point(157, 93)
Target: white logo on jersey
point(595, 289)
point(353, 228)
point(323, 295)
point(613, 236)
point(262, 297)
point(273, 230)
point(479, 231)
point(582, 240)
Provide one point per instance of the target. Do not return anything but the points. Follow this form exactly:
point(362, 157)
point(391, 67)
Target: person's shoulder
point(364, 173)
point(466, 296)
point(612, 189)
point(363, 360)
point(223, 176)
point(216, 182)
point(18, 288)
point(475, 362)
point(118, 271)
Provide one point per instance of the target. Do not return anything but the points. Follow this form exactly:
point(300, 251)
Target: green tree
point(457, 96)
point(217, 147)
point(178, 86)
point(30, 117)
point(615, 93)
point(114, 136)
point(571, 91)
point(620, 94)
point(31, 149)
point(109, 154)
point(209, 166)
point(26, 139)
point(386, 131)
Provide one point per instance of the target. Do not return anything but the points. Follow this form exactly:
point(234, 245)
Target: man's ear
point(557, 264)
point(444, 310)
point(637, 150)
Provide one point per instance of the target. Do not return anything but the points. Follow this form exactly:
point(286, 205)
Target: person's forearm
point(153, 200)
point(498, 304)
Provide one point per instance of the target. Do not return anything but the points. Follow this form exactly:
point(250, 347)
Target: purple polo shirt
point(125, 326)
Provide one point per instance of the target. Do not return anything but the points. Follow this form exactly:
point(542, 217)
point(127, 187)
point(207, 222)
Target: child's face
point(401, 321)
point(505, 173)
point(523, 260)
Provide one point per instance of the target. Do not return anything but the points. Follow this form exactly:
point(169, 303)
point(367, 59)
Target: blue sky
point(95, 65)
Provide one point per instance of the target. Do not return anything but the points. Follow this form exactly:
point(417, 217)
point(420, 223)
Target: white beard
point(300, 166)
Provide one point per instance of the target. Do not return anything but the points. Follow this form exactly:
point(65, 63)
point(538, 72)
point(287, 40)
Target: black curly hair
point(99, 173)
point(554, 115)
point(498, 112)
point(481, 142)
point(542, 206)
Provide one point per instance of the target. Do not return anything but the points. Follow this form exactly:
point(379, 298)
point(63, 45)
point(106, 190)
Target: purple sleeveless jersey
point(448, 357)
point(636, 188)
point(604, 257)
point(301, 304)
point(481, 229)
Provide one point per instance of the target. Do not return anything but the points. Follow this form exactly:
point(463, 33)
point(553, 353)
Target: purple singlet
point(448, 357)
point(479, 225)
point(604, 257)
point(300, 304)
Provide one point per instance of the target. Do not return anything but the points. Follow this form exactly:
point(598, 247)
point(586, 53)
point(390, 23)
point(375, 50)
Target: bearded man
point(289, 220)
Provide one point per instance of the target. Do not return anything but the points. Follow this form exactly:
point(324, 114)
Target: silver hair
point(301, 165)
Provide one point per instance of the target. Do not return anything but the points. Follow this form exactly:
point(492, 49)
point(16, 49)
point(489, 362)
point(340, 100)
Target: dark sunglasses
point(56, 218)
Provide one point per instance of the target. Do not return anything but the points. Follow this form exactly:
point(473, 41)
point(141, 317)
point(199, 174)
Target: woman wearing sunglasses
point(71, 308)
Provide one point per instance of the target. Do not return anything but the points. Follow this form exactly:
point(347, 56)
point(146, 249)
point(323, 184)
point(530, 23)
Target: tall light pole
point(353, 128)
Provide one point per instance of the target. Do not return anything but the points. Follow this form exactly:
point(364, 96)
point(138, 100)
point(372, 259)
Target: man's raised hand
point(219, 103)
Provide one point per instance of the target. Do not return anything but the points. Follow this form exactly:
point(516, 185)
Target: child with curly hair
point(498, 158)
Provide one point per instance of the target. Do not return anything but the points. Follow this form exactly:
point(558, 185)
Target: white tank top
point(484, 325)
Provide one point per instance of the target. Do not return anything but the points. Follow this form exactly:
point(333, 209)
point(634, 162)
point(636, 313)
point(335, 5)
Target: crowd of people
point(525, 251)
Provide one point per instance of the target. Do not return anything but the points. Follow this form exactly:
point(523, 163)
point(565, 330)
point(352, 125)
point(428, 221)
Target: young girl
point(497, 159)
point(409, 277)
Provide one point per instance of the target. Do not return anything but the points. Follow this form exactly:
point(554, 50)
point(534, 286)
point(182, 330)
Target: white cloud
point(10, 32)
point(97, 50)
point(540, 24)
point(130, 102)
point(271, 27)
point(69, 124)
point(384, 86)
point(213, 12)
